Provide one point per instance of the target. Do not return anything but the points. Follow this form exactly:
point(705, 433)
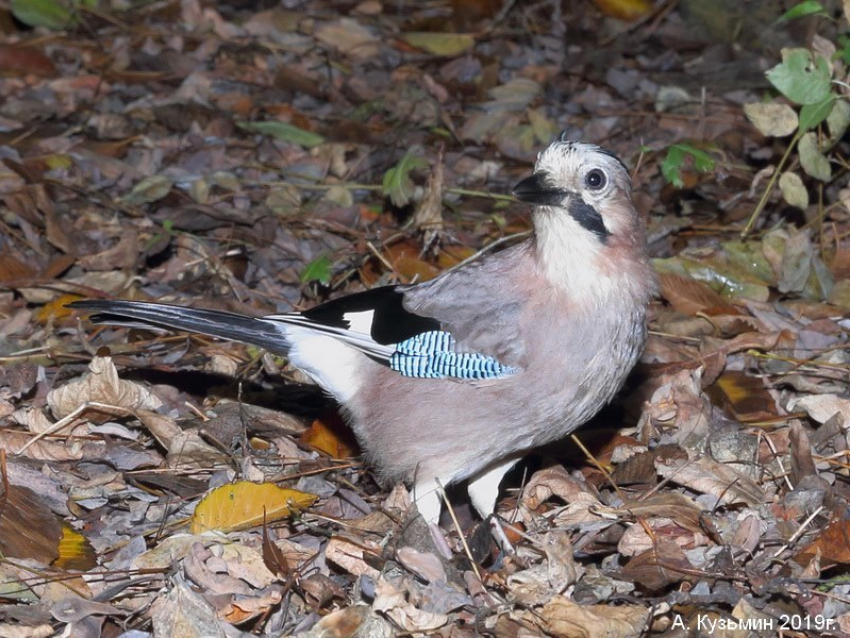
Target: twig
point(770, 185)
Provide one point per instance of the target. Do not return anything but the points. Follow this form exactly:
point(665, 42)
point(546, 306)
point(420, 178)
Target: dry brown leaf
point(706, 475)
point(12, 269)
point(428, 216)
point(320, 590)
point(23, 60)
point(405, 260)
point(636, 470)
point(349, 37)
point(662, 565)
point(16, 442)
point(553, 481)
point(356, 620)
point(183, 612)
point(822, 407)
point(426, 565)
point(28, 529)
point(163, 428)
point(802, 461)
point(395, 604)
point(680, 404)
point(537, 584)
point(832, 546)
point(122, 255)
point(677, 507)
point(690, 297)
point(748, 534)
point(350, 555)
point(745, 397)
point(101, 385)
point(563, 618)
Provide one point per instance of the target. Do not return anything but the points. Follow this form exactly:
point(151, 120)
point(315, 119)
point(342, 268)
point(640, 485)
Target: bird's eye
point(595, 179)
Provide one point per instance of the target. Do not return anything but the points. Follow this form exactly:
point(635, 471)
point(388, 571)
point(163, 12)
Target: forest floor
point(264, 157)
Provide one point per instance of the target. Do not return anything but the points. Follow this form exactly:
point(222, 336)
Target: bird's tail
point(215, 323)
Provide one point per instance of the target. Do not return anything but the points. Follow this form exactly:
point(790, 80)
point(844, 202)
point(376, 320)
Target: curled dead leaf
point(101, 385)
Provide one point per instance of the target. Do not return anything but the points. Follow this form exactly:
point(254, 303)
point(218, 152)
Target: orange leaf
point(404, 258)
point(330, 436)
point(833, 546)
point(451, 256)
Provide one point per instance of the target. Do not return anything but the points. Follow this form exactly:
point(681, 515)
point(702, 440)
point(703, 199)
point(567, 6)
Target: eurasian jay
point(458, 377)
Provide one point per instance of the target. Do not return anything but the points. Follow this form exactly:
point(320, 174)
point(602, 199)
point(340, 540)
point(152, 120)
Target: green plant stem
point(771, 185)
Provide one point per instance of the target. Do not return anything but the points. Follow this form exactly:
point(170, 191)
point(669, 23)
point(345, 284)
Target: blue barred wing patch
point(432, 355)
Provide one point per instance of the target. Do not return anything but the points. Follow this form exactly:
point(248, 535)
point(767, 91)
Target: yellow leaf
point(445, 44)
point(624, 9)
point(55, 309)
point(241, 505)
point(58, 160)
point(75, 551)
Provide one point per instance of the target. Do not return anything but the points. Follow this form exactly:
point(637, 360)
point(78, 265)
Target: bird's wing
point(460, 326)
point(381, 324)
point(373, 321)
point(482, 304)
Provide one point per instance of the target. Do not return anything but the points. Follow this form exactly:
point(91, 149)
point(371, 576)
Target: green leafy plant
point(815, 115)
point(284, 132)
point(49, 14)
point(803, 9)
point(681, 156)
point(318, 270)
point(397, 184)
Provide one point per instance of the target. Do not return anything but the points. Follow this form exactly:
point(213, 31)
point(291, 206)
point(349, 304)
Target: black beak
point(535, 190)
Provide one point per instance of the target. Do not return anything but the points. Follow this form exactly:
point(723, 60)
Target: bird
point(459, 377)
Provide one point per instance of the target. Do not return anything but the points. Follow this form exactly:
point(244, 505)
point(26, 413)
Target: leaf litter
point(265, 160)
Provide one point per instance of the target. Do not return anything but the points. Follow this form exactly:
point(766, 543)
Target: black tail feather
point(214, 323)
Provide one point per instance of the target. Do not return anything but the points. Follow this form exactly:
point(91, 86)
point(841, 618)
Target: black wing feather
point(391, 322)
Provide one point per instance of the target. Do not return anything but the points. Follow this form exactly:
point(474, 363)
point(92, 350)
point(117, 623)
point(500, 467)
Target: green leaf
point(814, 162)
point(813, 114)
point(444, 44)
point(397, 184)
point(800, 78)
point(805, 8)
point(150, 189)
point(793, 190)
point(674, 162)
point(844, 53)
point(837, 122)
point(317, 270)
point(284, 132)
point(50, 14)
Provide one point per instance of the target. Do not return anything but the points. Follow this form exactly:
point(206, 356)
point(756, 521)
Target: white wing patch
point(360, 321)
point(359, 340)
point(327, 360)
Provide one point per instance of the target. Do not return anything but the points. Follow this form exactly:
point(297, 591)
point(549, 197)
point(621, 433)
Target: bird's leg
point(428, 500)
point(484, 490)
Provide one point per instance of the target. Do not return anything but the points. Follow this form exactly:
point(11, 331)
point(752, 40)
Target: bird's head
point(583, 212)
